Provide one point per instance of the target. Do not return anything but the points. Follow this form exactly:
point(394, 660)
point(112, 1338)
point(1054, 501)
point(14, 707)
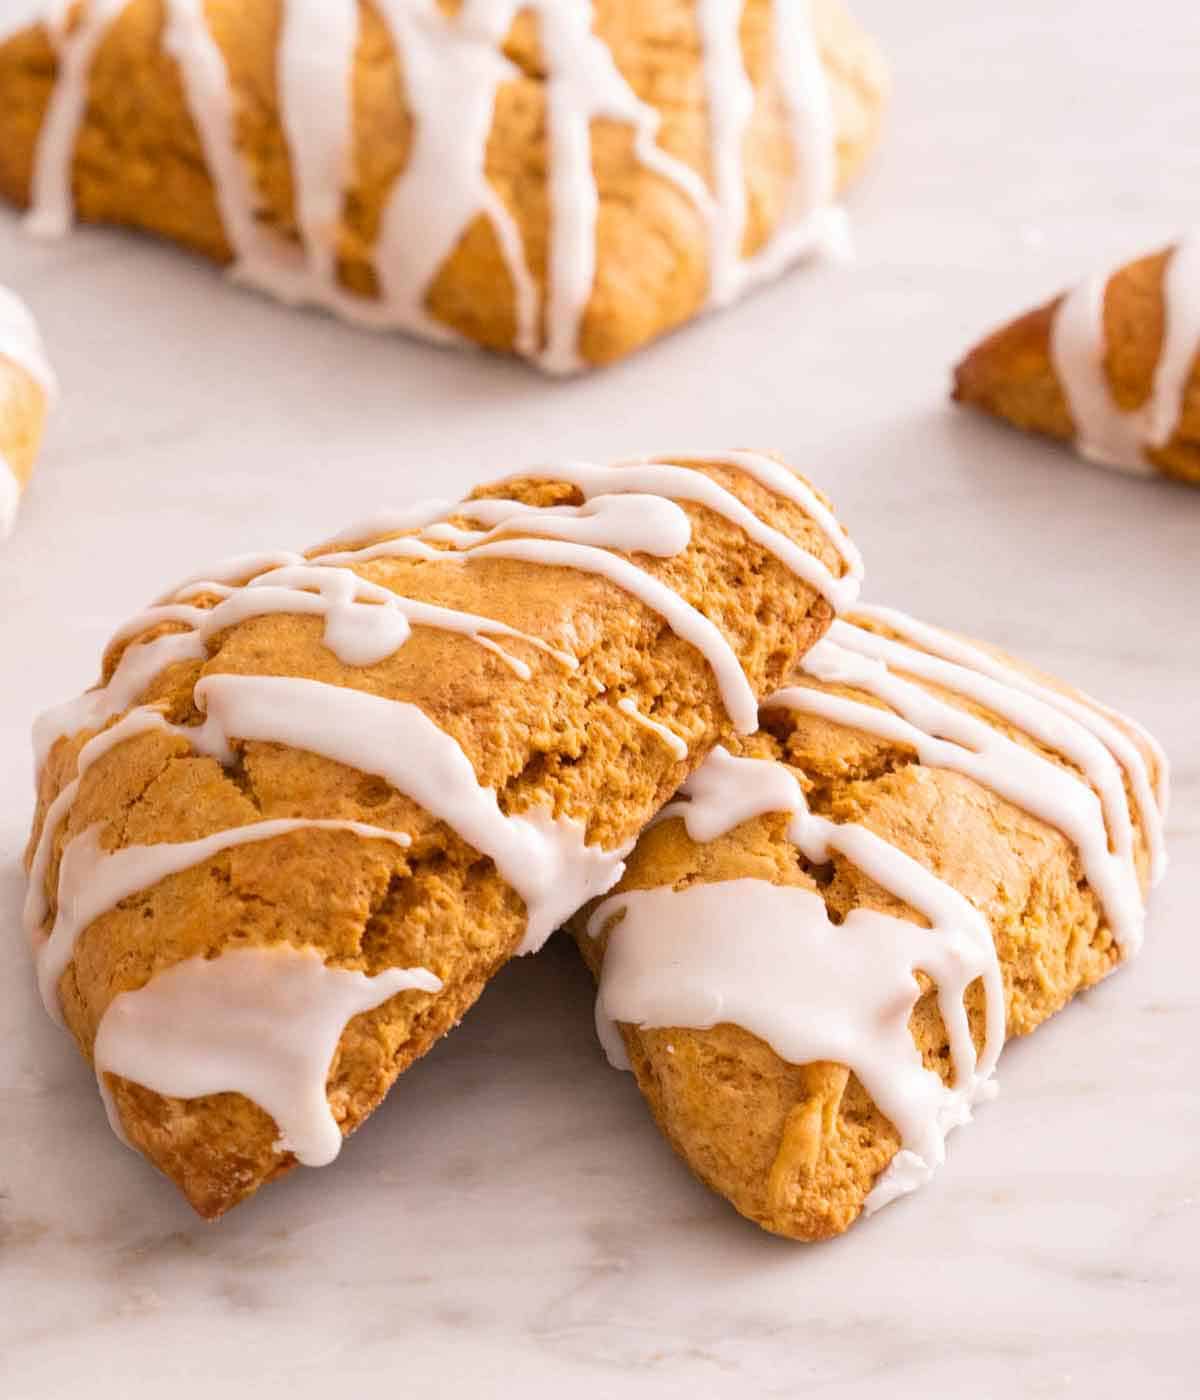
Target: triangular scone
point(1113, 365)
point(26, 389)
point(813, 955)
point(317, 801)
point(424, 164)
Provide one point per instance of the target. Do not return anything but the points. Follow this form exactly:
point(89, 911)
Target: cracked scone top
point(556, 178)
point(812, 958)
point(27, 389)
point(318, 800)
point(1113, 366)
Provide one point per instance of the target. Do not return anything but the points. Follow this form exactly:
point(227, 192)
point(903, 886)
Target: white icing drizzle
point(1098, 720)
point(544, 858)
point(685, 484)
point(945, 736)
point(610, 524)
point(143, 720)
point(364, 622)
point(93, 881)
point(453, 67)
point(10, 497)
point(21, 343)
point(51, 201)
point(628, 706)
point(1104, 432)
point(768, 958)
point(262, 1022)
point(634, 524)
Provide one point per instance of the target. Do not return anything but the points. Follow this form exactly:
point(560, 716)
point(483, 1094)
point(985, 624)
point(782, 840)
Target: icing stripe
point(1105, 724)
point(93, 881)
point(263, 1022)
point(140, 721)
point(1104, 432)
point(21, 342)
point(945, 736)
point(544, 858)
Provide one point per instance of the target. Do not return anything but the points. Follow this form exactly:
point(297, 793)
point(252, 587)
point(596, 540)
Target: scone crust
point(139, 160)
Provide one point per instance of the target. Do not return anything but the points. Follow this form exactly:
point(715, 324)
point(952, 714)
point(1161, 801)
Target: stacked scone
point(318, 800)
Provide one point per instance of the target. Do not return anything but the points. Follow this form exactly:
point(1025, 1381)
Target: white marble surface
point(510, 1223)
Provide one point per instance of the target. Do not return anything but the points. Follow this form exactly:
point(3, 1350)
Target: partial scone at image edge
point(719, 138)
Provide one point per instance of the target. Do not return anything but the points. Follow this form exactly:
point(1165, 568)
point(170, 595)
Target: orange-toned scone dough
point(529, 706)
point(1106, 380)
point(799, 1146)
point(142, 158)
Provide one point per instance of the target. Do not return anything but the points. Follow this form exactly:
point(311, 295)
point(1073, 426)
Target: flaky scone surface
point(139, 159)
point(797, 1147)
point(556, 738)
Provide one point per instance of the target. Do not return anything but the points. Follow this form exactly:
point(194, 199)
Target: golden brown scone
point(1112, 365)
point(397, 231)
point(549, 684)
point(26, 387)
point(798, 1144)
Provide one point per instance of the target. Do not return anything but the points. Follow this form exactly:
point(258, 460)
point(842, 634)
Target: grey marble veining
point(510, 1222)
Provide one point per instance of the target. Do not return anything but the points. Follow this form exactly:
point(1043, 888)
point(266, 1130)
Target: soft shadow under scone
point(798, 1147)
point(26, 388)
point(140, 159)
point(536, 731)
point(1118, 353)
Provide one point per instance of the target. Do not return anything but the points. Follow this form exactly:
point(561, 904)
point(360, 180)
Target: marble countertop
point(510, 1222)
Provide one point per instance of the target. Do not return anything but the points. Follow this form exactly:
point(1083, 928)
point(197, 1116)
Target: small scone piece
point(317, 801)
point(813, 955)
point(1112, 366)
point(562, 181)
point(26, 390)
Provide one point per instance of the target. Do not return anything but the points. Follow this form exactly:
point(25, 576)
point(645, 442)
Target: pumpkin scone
point(562, 181)
point(26, 390)
point(1112, 366)
point(318, 800)
point(812, 958)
